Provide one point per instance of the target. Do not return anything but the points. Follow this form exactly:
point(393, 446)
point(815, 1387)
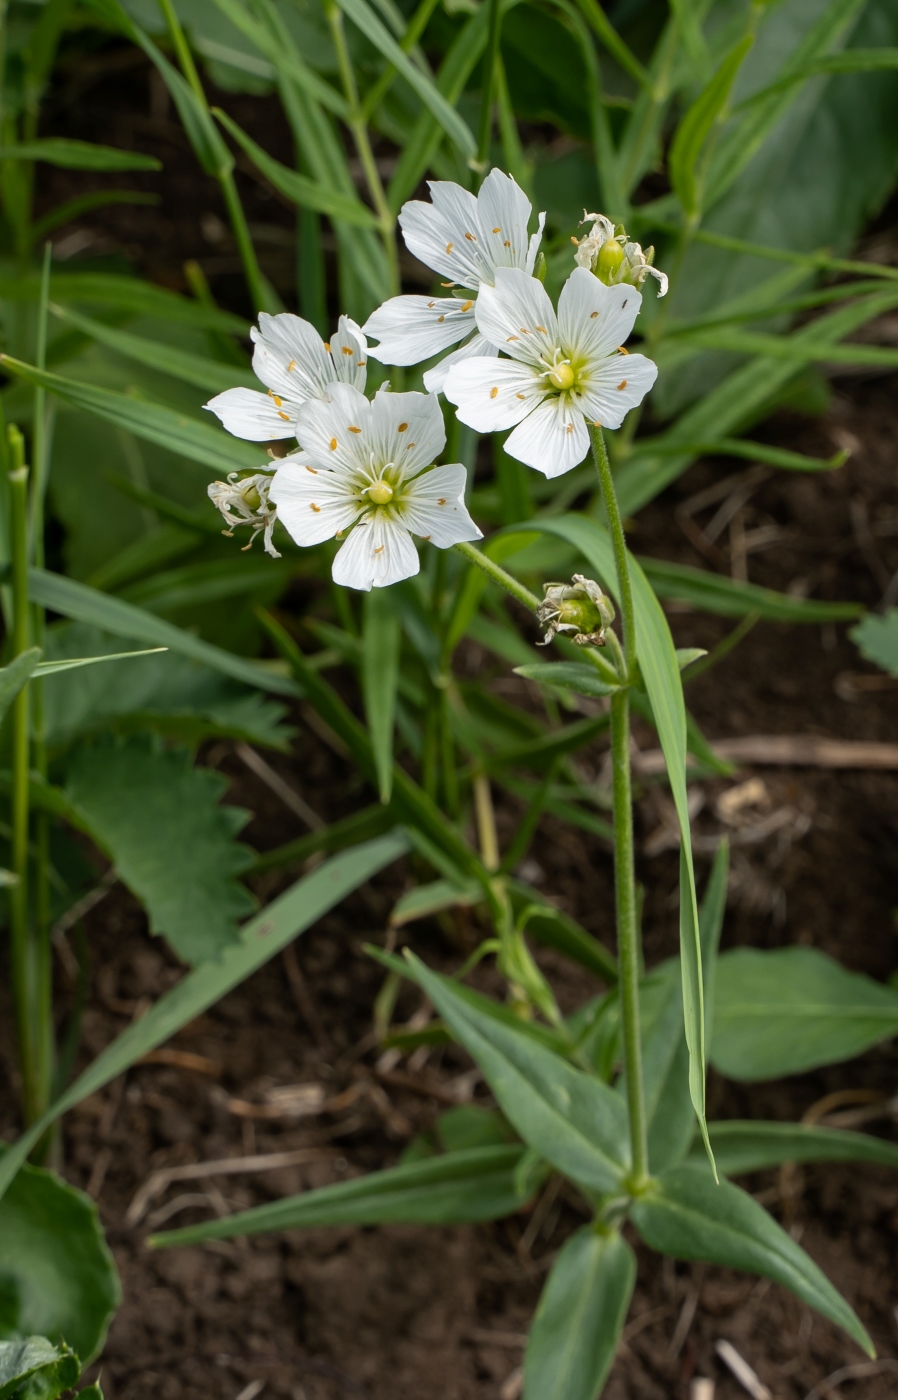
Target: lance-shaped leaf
point(187, 437)
point(480, 1183)
point(751, 1146)
point(685, 162)
point(580, 1317)
point(877, 639)
point(572, 1119)
point(380, 680)
point(685, 1215)
point(59, 1278)
point(714, 593)
point(791, 1009)
point(270, 931)
point(568, 675)
point(79, 155)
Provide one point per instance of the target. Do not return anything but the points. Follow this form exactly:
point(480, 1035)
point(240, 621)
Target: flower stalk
point(499, 575)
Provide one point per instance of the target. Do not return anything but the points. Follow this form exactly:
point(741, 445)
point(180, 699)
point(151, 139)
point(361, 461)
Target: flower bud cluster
point(243, 500)
point(579, 607)
point(613, 257)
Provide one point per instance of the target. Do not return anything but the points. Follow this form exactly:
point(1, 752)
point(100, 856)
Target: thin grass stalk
point(488, 90)
point(416, 27)
point(40, 473)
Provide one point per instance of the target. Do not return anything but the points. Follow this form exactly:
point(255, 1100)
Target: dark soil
point(409, 1313)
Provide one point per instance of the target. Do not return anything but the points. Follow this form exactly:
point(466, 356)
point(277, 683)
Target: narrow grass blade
point(380, 679)
point(79, 155)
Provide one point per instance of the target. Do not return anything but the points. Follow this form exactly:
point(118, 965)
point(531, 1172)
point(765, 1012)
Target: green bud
point(611, 255)
point(251, 495)
point(539, 267)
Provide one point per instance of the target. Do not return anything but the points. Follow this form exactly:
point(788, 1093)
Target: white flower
point(464, 238)
point(565, 372)
point(613, 257)
point(296, 364)
point(244, 501)
point(366, 468)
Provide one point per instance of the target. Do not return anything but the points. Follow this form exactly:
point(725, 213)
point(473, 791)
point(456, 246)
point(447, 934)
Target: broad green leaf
point(568, 675)
point(308, 194)
point(271, 930)
point(443, 112)
point(791, 1009)
point(752, 1146)
point(579, 1317)
point(209, 375)
point(188, 437)
point(715, 593)
point(430, 899)
point(84, 604)
point(471, 1125)
point(79, 155)
point(570, 1118)
point(380, 679)
point(160, 821)
point(877, 639)
point(661, 676)
point(57, 1276)
point(48, 1369)
point(480, 1183)
point(685, 163)
point(686, 1216)
point(16, 675)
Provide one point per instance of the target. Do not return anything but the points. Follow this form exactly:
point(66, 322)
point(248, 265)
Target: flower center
point(561, 376)
point(380, 492)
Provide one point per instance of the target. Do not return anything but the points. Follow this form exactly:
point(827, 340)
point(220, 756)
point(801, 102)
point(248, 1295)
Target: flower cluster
point(364, 469)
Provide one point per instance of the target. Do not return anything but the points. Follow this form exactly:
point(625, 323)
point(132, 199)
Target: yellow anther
point(467, 306)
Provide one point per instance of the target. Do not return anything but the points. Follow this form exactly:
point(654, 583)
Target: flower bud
point(540, 266)
point(243, 500)
point(613, 257)
point(579, 607)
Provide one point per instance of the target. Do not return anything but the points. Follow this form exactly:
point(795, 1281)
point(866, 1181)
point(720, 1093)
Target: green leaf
point(477, 1184)
point(209, 375)
point(686, 1216)
point(265, 935)
point(380, 679)
point(443, 112)
point(752, 1146)
point(877, 640)
point(57, 1276)
point(430, 899)
point(16, 675)
point(849, 61)
point(568, 675)
point(84, 604)
point(792, 1009)
point(556, 929)
point(661, 676)
point(187, 437)
point(684, 163)
point(159, 820)
point(579, 1318)
point(573, 1120)
point(75, 663)
point(471, 1125)
point(715, 593)
point(308, 194)
point(50, 1369)
point(79, 155)
point(125, 294)
point(83, 204)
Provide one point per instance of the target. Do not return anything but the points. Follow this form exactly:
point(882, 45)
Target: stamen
point(520, 396)
point(593, 315)
point(513, 337)
point(524, 330)
point(275, 397)
point(410, 446)
point(497, 230)
point(507, 243)
point(449, 247)
point(543, 329)
point(494, 391)
point(427, 537)
point(431, 305)
point(570, 427)
point(622, 384)
point(360, 364)
point(467, 306)
point(285, 416)
point(354, 429)
point(291, 366)
point(327, 346)
point(313, 470)
point(402, 427)
point(380, 549)
point(347, 349)
point(441, 501)
point(622, 351)
point(316, 509)
point(333, 444)
point(440, 319)
point(470, 237)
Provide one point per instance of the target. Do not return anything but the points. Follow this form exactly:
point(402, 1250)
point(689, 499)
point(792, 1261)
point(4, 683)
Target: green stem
point(499, 575)
point(416, 27)
point(628, 932)
point(489, 87)
point(40, 466)
point(619, 545)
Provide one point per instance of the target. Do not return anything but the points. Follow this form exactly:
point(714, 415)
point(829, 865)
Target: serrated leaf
point(568, 675)
point(792, 1009)
point(877, 639)
point(79, 155)
point(270, 931)
point(753, 1146)
point(579, 1317)
point(57, 1276)
point(47, 1369)
point(685, 1215)
point(159, 820)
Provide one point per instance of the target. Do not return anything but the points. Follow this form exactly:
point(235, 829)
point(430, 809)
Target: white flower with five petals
point(565, 371)
point(295, 364)
point(465, 238)
point(366, 472)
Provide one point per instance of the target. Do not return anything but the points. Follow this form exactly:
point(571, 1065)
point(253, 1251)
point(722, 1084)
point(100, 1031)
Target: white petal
point(435, 379)
point(493, 394)
point(616, 386)
point(517, 316)
point(503, 212)
point(290, 356)
point(593, 320)
point(313, 504)
point(406, 429)
point(379, 552)
point(413, 328)
point(553, 438)
point(535, 241)
point(444, 235)
point(332, 430)
point(248, 414)
point(433, 506)
point(349, 352)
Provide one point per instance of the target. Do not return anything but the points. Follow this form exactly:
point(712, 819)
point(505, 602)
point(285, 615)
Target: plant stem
point(499, 575)
point(416, 27)
point(40, 471)
point(619, 544)
point(489, 87)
